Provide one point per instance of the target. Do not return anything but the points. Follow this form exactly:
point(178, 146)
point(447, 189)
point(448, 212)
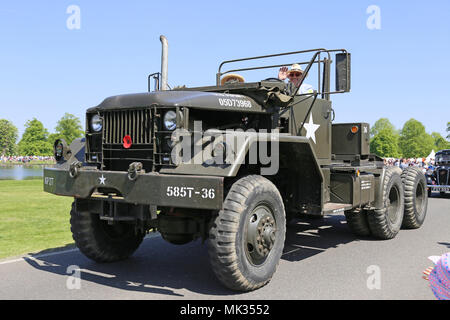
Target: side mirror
point(343, 72)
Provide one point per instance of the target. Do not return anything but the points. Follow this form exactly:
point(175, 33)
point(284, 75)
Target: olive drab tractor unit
point(230, 164)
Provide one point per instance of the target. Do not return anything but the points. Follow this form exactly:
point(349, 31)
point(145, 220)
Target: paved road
point(322, 260)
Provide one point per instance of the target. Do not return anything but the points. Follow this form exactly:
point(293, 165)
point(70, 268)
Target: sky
point(54, 60)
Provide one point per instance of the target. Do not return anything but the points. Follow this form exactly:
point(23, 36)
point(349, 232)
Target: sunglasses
point(295, 74)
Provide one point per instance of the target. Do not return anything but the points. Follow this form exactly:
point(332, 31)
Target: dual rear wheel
point(405, 200)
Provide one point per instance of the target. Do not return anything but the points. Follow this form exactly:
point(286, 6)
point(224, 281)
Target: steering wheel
point(273, 79)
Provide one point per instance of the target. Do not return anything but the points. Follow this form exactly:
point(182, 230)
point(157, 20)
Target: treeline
point(411, 141)
point(36, 140)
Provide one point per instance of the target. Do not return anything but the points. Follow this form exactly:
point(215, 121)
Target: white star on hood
point(311, 128)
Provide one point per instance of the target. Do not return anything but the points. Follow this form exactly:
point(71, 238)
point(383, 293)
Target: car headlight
point(170, 120)
point(96, 123)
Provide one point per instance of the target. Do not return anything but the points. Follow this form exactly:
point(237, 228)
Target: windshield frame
point(443, 157)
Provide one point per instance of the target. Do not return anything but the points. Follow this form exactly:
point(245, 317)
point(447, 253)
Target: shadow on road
point(447, 244)
point(156, 267)
point(307, 237)
point(159, 267)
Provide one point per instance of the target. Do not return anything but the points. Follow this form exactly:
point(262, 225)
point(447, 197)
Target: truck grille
point(443, 177)
point(135, 123)
point(138, 125)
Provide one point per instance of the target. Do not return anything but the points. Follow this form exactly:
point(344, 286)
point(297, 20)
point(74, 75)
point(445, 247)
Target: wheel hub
point(261, 234)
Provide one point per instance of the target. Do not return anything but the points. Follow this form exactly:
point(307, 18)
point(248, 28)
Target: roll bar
point(342, 68)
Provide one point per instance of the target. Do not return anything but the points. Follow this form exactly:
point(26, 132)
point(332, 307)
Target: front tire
point(416, 198)
point(246, 238)
point(102, 242)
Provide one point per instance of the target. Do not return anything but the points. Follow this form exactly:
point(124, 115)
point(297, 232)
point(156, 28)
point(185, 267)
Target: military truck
point(230, 164)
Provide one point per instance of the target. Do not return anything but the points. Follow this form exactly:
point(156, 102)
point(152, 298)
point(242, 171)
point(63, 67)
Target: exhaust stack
point(164, 64)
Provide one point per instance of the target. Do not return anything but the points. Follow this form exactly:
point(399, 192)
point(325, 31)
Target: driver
point(294, 76)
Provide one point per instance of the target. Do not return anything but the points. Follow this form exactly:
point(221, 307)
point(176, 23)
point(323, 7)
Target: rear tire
point(416, 198)
point(247, 237)
point(357, 222)
point(386, 222)
point(102, 242)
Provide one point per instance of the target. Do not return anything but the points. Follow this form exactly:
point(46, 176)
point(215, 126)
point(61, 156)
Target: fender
point(379, 190)
point(76, 153)
point(298, 147)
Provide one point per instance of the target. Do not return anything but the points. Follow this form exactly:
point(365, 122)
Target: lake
point(19, 172)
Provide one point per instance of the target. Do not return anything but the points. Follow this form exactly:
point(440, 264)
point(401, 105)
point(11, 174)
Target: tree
point(8, 138)
point(448, 130)
point(384, 142)
point(439, 141)
point(34, 140)
point(380, 125)
point(68, 128)
point(414, 141)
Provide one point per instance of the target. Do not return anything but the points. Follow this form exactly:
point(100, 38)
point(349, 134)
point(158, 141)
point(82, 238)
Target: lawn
point(32, 220)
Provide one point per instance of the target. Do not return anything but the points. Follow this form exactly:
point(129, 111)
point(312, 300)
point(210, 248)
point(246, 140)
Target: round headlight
point(60, 149)
point(96, 123)
point(170, 120)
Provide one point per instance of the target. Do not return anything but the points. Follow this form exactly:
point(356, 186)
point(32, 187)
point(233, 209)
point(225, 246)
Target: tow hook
point(73, 169)
point(134, 169)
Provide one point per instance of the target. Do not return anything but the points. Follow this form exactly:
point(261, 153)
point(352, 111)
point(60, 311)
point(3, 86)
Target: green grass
point(32, 220)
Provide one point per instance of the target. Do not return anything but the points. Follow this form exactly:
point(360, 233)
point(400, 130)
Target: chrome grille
point(443, 177)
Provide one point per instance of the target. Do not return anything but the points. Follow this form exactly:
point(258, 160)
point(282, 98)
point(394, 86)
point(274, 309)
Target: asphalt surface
point(321, 260)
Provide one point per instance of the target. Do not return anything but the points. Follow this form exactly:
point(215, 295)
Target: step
point(333, 207)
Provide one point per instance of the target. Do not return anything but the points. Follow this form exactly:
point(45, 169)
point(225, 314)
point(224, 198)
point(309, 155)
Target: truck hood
point(175, 98)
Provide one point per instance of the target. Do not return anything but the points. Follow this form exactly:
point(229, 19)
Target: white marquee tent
point(430, 156)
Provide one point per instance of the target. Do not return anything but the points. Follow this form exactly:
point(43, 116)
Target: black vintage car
point(438, 179)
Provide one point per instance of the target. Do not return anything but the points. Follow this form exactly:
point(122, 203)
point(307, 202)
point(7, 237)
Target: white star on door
point(311, 128)
point(102, 179)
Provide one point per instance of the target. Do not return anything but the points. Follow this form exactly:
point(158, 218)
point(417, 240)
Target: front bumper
point(437, 187)
point(184, 191)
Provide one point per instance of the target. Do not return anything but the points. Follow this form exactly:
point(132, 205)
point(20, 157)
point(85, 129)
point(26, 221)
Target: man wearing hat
point(294, 76)
point(232, 78)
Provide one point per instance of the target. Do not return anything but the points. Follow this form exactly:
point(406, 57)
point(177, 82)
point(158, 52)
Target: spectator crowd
point(25, 159)
point(403, 163)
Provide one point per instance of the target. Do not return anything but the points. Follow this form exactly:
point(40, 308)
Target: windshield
point(442, 157)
